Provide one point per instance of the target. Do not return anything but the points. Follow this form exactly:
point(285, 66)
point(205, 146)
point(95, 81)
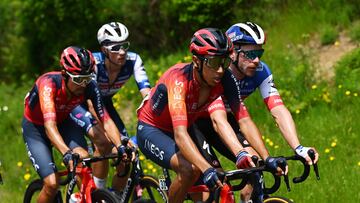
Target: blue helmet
point(246, 33)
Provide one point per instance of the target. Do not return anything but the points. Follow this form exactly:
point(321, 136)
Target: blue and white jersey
point(133, 66)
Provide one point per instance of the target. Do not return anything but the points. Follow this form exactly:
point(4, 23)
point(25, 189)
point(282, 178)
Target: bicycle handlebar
point(306, 170)
point(244, 175)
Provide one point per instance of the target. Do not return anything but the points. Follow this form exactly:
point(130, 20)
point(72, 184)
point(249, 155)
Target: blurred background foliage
point(33, 33)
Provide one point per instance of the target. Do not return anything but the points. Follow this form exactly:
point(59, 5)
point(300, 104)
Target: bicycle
point(139, 187)
point(88, 191)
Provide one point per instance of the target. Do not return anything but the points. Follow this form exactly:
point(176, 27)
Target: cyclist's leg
point(207, 152)
point(39, 151)
point(118, 181)
point(160, 147)
point(83, 118)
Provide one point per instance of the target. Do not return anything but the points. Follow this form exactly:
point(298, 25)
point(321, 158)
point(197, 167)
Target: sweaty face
point(249, 59)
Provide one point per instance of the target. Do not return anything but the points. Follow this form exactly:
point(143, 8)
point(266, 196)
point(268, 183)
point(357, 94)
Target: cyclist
point(114, 66)
point(251, 73)
point(184, 91)
point(46, 121)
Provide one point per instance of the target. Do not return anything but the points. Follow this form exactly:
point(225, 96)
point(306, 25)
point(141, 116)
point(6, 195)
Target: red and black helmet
point(210, 41)
point(77, 61)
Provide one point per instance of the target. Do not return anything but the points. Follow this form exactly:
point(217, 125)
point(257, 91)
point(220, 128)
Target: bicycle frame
point(87, 184)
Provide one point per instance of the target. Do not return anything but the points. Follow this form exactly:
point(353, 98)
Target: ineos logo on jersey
point(178, 89)
point(154, 149)
point(47, 97)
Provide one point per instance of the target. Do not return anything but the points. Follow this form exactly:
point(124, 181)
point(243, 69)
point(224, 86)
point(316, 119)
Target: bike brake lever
point(311, 154)
point(282, 165)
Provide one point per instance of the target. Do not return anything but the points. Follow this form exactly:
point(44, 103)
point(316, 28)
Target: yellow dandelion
point(355, 94)
point(19, 164)
point(333, 144)
point(331, 158)
point(62, 164)
point(340, 86)
point(154, 170)
point(359, 163)
point(276, 146)
point(27, 176)
point(150, 166)
point(347, 93)
point(314, 87)
point(267, 140)
point(326, 98)
point(142, 157)
point(132, 92)
point(337, 43)
point(271, 143)
point(263, 137)
point(145, 170)
point(327, 150)
point(297, 111)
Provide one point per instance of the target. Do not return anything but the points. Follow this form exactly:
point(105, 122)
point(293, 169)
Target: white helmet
point(246, 33)
point(112, 32)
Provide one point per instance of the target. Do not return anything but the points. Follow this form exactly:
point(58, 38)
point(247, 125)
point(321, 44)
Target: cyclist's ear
point(196, 62)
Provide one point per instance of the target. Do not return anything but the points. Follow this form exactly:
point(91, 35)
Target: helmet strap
point(200, 71)
point(66, 85)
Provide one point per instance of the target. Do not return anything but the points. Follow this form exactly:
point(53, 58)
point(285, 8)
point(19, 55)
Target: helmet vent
point(74, 61)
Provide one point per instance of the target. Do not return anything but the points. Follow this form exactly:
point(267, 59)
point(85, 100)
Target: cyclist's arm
point(106, 124)
point(225, 131)
point(54, 136)
point(286, 125)
point(253, 136)
point(188, 148)
point(141, 77)
point(144, 92)
point(47, 90)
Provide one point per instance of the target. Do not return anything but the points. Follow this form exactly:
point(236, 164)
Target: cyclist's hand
point(211, 179)
point(273, 163)
point(243, 160)
point(68, 159)
point(121, 151)
point(304, 152)
point(131, 149)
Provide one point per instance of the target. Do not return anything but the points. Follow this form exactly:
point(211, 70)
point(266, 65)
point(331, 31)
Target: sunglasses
point(215, 62)
point(80, 79)
point(252, 54)
point(116, 47)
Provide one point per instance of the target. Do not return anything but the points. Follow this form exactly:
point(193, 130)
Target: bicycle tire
point(277, 199)
point(34, 187)
point(101, 195)
point(151, 191)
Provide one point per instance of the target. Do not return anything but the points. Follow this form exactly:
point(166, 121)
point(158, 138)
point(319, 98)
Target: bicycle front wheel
point(33, 190)
point(102, 195)
point(277, 199)
point(149, 191)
